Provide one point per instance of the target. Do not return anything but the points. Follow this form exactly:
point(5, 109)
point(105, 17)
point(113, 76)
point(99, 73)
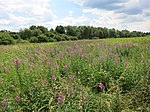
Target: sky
point(120, 14)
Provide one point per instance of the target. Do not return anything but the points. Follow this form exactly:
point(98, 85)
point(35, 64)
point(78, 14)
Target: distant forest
point(38, 34)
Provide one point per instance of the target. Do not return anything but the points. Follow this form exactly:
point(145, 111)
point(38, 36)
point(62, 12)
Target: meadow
point(106, 75)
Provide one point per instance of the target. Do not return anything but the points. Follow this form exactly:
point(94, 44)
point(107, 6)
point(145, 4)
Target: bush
point(33, 39)
point(57, 37)
point(42, 38)
point(66, 37)
point(6, 39)
point(22, 41)
point(73, 38)
point(52, 40)
point(15, 36)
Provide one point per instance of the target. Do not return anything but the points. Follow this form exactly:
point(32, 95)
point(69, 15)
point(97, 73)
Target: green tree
point(25, 34)
point(60, 29)
point(42, 38)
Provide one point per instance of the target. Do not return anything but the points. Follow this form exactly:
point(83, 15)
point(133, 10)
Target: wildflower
point(66, 53)
point(116, 60)
point(125, 63)
point(16, 62)
point(4, 103)
point(71, 77)
point(118, 46)
point(48, 63)
point(102, 86)
point(53, 77)
point(83, 56)
point(65, 66)
point(60, 98)
point(17, 99)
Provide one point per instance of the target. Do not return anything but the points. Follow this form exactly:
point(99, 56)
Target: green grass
point(70, 76)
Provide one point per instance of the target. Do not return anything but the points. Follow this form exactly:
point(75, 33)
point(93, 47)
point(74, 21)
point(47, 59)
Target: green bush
point(52, 40)
point(15, 36)
point(6, 39)
point(33, 39)
point(22, 41)
point(42, 38)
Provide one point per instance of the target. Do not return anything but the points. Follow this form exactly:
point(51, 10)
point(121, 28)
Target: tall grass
point(109, 75)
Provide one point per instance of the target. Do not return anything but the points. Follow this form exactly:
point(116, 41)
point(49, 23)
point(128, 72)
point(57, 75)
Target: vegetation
point(107, 75)
point(38, 34)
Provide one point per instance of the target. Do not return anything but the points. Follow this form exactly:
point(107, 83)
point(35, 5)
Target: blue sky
point(119, 14)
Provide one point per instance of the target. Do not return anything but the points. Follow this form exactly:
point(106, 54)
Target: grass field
point(108, 75)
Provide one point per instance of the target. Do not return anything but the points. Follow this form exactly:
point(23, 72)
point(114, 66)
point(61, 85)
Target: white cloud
point(133, 15)
point(15, 14)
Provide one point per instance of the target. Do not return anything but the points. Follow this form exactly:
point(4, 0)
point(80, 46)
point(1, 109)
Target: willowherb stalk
point(16, 62)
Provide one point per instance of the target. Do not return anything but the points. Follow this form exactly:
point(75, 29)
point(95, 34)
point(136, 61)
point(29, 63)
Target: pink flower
point(53, 77)
point(60, 98)
point(16, 62)
point(65, 66)
point(48, 63)
point(101, 86)
point(17, 99)
point(71, 77)
point(4, 103)
point(83, 56)
point(125, 63)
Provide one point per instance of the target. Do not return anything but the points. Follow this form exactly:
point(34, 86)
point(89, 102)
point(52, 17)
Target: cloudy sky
point(119, 14)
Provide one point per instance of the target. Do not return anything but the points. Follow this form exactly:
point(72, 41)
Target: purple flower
point(4, 103)
point(125, 63)
point(49, 63)
point(83, 56)
point(53, 77)
point(101, 86)
point(17, 99)
point(60, 98)
point(116, 60)
point(71, 77)
point(16, 62)
point(118, 45)
point(65, 66)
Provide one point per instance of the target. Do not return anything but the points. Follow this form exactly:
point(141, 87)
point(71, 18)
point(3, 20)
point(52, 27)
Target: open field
point(107, 75)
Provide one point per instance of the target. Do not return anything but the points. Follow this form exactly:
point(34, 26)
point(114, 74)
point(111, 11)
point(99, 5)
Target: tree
point(25, 34)
point(43, 29)
point(71, 30)
point(42, 38)
point(60, 29)
point(36, 32)
point(6, 39)
point(33, 27)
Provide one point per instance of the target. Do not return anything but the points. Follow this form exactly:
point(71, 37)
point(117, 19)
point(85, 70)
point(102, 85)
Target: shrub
point(42, 38)
point(52, 40)
point(22, 41)
point(15, 36)
point(33, 39)
point(6, 39)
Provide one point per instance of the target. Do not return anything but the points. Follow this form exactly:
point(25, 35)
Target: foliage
point(6, 39)
point(42, 38)
point(66, 33)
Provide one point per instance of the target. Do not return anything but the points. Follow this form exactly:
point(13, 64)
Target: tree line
point(38, 34)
